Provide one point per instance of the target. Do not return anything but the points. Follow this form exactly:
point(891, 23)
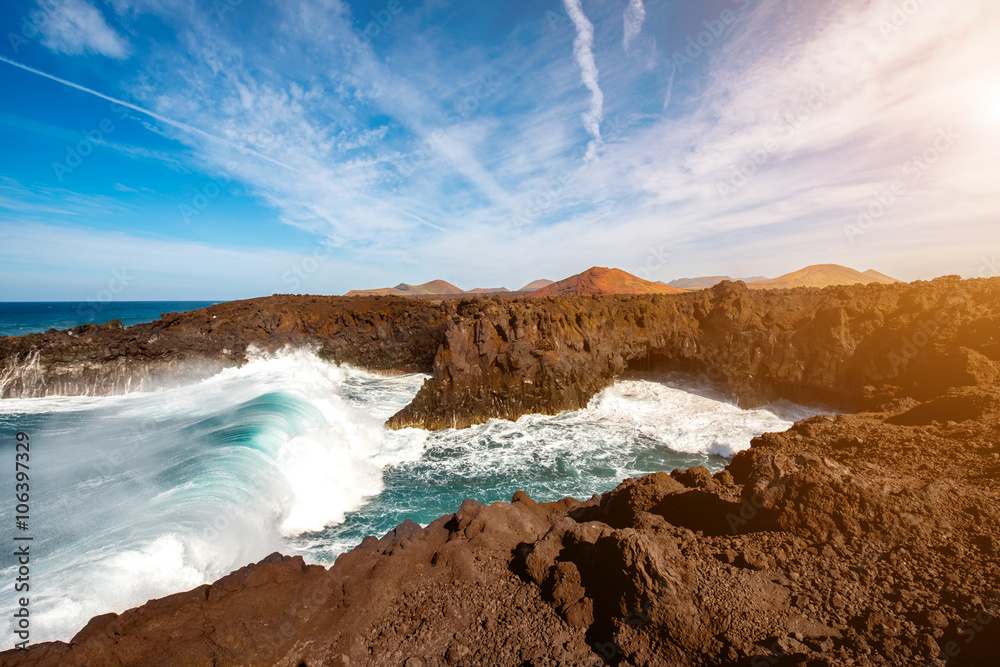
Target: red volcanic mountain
point(600, 281)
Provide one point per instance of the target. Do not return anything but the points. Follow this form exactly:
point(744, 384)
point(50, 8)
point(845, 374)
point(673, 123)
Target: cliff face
point(859, 345)
point(865, 539)
point(369, 332)
point(853, 346)
point(868, 539)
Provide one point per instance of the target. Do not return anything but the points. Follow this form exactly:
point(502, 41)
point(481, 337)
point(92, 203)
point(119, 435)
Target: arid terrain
point(868, 537)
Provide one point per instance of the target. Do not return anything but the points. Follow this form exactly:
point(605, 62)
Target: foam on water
point(143, 495)
point(636, 427)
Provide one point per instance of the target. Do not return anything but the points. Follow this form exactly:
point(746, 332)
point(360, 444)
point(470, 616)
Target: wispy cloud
point(635, 16)
point(421, 157)
point(152, 114)
point(816, 126)
point(71, 137)
point(583, 49)
point(76, 27)
point(44, 202)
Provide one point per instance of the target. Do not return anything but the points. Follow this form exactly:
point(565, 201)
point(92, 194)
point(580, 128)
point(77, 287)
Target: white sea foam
point(143, 495)
point(691, 416)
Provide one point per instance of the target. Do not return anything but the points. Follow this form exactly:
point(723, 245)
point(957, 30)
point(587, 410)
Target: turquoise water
point(21, 318)
point(142, 495)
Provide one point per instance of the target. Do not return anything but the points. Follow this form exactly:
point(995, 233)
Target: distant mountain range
point(599, 280)
point(823, 275)
point(434, 287)
point(693, 284)
point(444, 288)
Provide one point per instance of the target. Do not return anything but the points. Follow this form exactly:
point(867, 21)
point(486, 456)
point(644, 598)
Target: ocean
point(21, 318)
point(142, 495)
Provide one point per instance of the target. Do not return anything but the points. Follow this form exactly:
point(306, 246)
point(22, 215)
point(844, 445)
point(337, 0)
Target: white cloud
point(819, 123)
point(583, 49)
point(76, 27)
point(347, 125)
point(837, 112)
point(635, 16)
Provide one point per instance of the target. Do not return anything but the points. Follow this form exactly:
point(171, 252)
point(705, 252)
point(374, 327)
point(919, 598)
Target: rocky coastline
point(854, 347)
point(870, 537)
point(866, 539)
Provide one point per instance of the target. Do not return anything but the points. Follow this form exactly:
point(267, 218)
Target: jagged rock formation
point(866, 539)
point(857, 346)
point(869, 539)
point(849, 346)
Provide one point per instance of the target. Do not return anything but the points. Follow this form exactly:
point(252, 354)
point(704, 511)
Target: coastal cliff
point(377, 333)
point(870, 538)
point(852, 347)
point(848, 346)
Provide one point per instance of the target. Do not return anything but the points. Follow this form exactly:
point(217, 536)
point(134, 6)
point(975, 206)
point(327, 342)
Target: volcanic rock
point(845, 540)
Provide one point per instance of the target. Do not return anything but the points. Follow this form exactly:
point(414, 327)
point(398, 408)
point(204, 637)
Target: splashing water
point(147, 494)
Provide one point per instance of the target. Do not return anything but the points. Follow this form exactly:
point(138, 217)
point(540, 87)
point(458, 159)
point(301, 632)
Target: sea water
point(21, 318)
point(146, 494)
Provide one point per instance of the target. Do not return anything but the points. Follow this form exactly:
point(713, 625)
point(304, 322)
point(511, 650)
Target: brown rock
point(866, 539)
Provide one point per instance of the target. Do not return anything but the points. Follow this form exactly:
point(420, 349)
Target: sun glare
point(994, 107)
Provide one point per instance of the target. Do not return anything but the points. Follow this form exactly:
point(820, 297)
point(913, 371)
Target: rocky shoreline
point(870, 538)
point(854, 347)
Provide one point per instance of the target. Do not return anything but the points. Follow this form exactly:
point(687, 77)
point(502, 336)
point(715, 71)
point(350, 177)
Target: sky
point(222, 149)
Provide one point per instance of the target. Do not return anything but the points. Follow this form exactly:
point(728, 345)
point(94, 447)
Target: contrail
point(583, 49)
point(179, 125)
point(417, 217)
point(670, 87)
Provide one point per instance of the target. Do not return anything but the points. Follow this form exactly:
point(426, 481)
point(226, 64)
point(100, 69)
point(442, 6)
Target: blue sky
point(218, 149)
